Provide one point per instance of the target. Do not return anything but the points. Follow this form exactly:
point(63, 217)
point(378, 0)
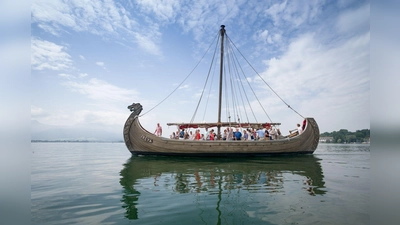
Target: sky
point(91, 59)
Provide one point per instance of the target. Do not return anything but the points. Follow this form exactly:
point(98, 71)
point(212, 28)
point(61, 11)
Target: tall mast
point(222, 32)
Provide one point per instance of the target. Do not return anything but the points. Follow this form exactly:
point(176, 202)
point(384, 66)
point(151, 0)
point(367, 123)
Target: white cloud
point(162, 10)
point(320, 79)
point(198, 17)
point(105, 109)
point(82, 57)
point(67, 76)
point(47, 55)
point(82, 75)
point(306, 64)
point(353, 20)
point(145, 42)
point(70, 76)
point(267, 38)
point(294, 13)
point(186, 86)
point(104, 18)
point(277, 37)
point(52, 29)
point(102, 91)
point(261, 35)
point(100, 63)
point(103, 117)
point(276, 10)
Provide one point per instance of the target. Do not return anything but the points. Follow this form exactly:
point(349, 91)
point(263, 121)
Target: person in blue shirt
point(182, 134)
point(245, 135)
point(260, 134)
point(237, 135)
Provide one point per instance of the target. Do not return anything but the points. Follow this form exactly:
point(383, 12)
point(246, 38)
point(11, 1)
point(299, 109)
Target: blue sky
point(91, 59)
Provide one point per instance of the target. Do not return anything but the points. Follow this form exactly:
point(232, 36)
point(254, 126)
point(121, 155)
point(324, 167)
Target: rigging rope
point(183, 80)
point(209, 90)
point(228, 112)
point(232, 64)
point(263, 79)
point(244, 92)
point(202, 92)
point(251, 88)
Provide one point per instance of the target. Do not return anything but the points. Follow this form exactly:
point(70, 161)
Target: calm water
point(100, 183)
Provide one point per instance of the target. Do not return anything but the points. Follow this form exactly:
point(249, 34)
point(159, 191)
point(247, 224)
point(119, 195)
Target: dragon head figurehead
point(135, 108)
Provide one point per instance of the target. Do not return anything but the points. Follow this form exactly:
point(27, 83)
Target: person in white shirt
point(299, 129)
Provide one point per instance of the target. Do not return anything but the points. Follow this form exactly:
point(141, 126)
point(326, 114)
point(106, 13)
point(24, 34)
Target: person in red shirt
point(212, 135)
point(197, 135)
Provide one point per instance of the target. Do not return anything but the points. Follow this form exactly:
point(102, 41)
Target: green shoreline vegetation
point(345, 136)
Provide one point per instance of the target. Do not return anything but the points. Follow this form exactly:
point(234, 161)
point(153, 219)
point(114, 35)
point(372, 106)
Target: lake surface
point(100, 183)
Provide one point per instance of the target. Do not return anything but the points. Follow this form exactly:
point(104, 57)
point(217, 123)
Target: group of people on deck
point(231, 134)
point(270, 133)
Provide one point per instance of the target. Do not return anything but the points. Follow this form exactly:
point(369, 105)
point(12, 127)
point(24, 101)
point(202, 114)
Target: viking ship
point(139, 141)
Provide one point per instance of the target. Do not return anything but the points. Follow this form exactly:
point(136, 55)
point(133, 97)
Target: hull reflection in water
point(181, 185)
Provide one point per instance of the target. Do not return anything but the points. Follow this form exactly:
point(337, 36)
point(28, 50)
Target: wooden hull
point(141, 142)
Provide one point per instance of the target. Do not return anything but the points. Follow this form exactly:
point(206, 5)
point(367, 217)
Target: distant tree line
point(345, 136)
